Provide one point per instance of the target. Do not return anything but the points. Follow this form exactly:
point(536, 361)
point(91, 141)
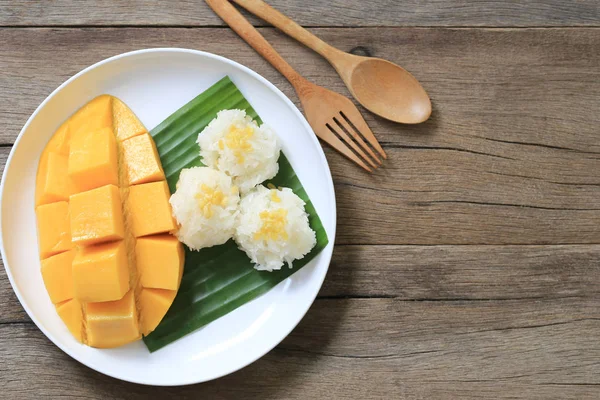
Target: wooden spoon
point(333, 117)
point(382, 87)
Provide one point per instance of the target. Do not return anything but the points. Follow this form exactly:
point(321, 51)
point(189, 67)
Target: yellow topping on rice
point(237, 140)
point(274, 197)
point(208, 197)
point(273, 225)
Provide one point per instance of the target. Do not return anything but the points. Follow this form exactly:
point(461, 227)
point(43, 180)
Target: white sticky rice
point(205, 206)
point(235, 144)
point(273, 228)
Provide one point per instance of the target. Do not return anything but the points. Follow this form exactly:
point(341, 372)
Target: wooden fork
point(331, 115)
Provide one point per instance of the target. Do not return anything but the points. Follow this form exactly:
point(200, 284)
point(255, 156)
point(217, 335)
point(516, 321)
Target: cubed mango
point(54, 233)
point(58, 276)
point(53, 184)
point(154, 304)
point(71, 314)
point(101, 272)
point(93, 159)
point(159, 261)
point(112, 323)
point(141, 160)
point(96, 216)
point(100, 183)
point(95, 115)
point(59, 143)
point(150, 209)
point(125, 122)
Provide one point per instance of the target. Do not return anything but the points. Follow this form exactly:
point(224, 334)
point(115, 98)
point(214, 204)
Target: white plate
point(154, 83)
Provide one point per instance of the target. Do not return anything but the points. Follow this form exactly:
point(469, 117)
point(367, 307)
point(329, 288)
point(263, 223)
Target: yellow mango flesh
point(142, 160)
point(126, 123)
point(58, 276)
point(97, 216)
point(100, 186)
point(59, 143)
point(53, 184)
point(93, 116)
point(112, 323)
point(71, 313)
point(154, 304)
point(93, 159)
point(54, 233)
point(150, 209)
point(159, 261)
point(101, 272)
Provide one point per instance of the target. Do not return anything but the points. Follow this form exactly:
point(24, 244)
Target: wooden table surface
point(467, 267)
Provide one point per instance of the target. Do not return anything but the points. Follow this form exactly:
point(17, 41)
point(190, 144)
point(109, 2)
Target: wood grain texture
point(439, 273)
point(517, 166)
point(464, 272)
point(308, 13)
point(475, 273)
point(369, 348)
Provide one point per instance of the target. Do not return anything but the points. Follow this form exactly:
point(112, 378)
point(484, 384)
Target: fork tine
point(341, 121)
point(329, 137)
point(340, 132)
point(358, 121)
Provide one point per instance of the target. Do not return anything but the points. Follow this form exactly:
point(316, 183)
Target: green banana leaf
point(219, 279)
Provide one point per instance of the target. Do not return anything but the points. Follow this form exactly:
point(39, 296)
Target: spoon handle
point(246, 31)
point(278, 20)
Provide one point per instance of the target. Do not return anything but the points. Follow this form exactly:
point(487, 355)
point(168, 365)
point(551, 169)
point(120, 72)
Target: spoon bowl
point(388, 90)
point(381, 86)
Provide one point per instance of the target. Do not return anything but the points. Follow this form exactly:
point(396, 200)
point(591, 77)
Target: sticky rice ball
point(273, 228)
point(235, 144)
point(205, 206)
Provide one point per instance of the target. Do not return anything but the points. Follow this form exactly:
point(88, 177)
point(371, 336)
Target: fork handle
point(278, 20)
point(250, 34)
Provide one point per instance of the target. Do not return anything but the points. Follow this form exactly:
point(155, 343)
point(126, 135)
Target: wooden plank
point(439, 273)
point(308, 13)
point(517, 166)
point(516, 76)
point(482, 208)
point(519, 349)
point(464, 272)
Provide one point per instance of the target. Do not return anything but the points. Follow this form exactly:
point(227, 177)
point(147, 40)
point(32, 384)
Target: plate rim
point(261, 79)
